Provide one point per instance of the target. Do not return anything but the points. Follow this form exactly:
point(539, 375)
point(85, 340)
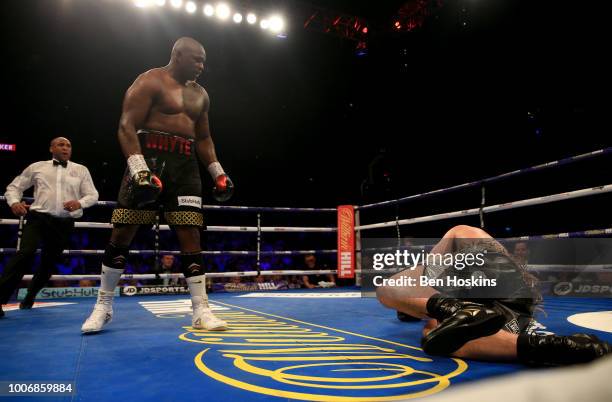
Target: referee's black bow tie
point(56, 162)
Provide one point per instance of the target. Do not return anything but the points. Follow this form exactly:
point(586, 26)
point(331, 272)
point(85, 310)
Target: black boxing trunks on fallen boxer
point(172, 158)
point(508, 306)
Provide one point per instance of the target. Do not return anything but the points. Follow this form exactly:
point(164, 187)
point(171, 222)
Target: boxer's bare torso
point(175, 107)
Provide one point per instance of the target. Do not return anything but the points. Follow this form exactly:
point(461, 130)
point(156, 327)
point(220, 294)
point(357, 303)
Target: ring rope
point(599, 268)
point(176, 252)
point(447, 215)
point(492, 179)
point(582, 233)
point(177, 275)
point(494, 208)
point(103, 225)
point(220, 207)
point(577, 234)
point(482, 206)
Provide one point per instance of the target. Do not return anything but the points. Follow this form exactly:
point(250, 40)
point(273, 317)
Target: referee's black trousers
point(54, 234)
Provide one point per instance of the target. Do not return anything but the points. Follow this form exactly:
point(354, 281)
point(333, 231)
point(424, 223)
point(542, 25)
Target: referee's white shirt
point(53, 186)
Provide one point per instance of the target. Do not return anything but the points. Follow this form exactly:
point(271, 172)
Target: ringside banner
point(346, 241)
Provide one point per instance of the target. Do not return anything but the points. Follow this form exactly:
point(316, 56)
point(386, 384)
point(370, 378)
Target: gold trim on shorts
point(184, 218)
point(133, 216)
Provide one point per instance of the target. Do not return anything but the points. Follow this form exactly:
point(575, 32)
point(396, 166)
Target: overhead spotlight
point(237, 18)
point(176, 3)
point(364, 30)
point(223, 11)
point(209, 10)
point(191, 7)
point(264, 24)
point(160, 3)
point(251, 18)
point(142, 3)
point(276, 24)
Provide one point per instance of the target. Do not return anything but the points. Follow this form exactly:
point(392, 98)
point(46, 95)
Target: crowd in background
point(146, 264)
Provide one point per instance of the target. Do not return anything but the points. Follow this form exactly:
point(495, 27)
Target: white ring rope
point(447, 215)
point(601, 268)
point(597, 268)
point(542, 268)
point(286, 229)
point(221, 207)
point(582, 233)
point(177, 275)
point(494, 208)
point(488, 180)
point(176, 252)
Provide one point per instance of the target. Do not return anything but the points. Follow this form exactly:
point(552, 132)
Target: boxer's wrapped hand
point(224, 187)
point(144, 186)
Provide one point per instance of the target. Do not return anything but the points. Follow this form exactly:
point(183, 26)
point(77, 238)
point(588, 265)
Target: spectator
point(315, 280)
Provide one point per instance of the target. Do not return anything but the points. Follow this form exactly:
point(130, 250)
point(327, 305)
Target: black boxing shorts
point(172, 158)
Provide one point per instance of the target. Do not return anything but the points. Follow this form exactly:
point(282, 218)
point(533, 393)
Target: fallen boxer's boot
point(554, 350)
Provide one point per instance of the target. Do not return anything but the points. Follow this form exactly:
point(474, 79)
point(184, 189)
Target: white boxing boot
point(203, 317)
point(102, 313)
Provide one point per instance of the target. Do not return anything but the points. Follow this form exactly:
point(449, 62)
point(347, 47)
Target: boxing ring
point(301, 344)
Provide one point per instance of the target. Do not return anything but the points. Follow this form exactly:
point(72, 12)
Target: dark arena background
point(502, 105)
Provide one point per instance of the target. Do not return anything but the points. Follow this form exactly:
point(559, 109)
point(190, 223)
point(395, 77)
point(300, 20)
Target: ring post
point(258, 243)
point(19, 232)
point(482, 205)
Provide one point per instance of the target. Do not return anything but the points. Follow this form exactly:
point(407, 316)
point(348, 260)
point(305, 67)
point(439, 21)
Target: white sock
point(110, 278)
point(197, 286)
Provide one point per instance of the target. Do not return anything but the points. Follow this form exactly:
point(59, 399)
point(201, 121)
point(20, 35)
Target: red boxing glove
point(157, 182)
point(224, 188)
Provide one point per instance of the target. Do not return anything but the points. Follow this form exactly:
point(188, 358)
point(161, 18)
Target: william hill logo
point(287, 358)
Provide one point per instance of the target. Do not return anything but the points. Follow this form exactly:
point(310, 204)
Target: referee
point(62, 189)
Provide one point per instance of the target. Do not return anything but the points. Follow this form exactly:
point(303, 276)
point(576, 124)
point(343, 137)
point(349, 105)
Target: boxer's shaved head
point(187, 58)
point(186, 45)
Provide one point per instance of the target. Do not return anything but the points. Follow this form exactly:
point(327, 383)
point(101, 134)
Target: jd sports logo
point(130, 290)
